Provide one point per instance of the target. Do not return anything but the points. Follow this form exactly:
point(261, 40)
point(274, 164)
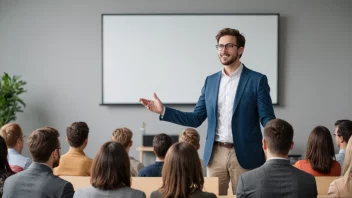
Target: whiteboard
point(172, 55)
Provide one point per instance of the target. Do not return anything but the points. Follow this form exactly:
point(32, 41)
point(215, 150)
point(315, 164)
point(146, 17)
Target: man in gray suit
point(38, 180)
point(277, 177)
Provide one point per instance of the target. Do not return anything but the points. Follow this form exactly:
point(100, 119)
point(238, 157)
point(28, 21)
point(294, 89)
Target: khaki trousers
point(224, 165)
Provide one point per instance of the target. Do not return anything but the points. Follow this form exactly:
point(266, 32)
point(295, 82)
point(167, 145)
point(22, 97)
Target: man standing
point(234, 100)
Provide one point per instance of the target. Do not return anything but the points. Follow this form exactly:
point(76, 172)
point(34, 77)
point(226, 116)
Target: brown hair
point(347, 164)
point(161, 144)
point(182, 171)
point(111, 167)
point(320, 150)
point(345, 130)
point(42, 142)
point(241, 41)
point(122, 136)
point(11, 132)
point(278, 134)
point(190, 136)
point(77, 133)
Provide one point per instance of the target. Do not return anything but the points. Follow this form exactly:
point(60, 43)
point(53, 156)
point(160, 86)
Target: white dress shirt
point(226, 98)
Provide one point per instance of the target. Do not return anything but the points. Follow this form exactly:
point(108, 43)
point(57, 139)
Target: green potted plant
point(10, 103)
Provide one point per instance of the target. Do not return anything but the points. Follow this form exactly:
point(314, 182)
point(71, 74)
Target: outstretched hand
point(154, 105)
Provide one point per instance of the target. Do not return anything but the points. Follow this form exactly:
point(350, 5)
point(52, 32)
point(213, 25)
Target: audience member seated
point(13, 136)
point(161, 143)
point(182, 174)
point(190, 136)
point(320, 154)
point(111, 175)
point(5, 169)
point(342, 187)
point(38, 180)
point(75, 162)
point(124, 137)
point(343, 132)
point(277, 177)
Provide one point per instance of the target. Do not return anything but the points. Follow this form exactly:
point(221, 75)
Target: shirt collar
point(12, 150)
point(276, 158)
point(342, 151)
point(235, 73)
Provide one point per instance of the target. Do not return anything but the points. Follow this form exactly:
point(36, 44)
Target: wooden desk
point(143, 149)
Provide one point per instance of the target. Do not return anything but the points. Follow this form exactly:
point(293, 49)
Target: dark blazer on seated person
point(277, 178)
point(196, 194)
point(153, 170)
point(123, 192)
point(38, 181)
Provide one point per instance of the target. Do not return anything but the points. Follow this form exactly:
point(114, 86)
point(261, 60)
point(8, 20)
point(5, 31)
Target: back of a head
point(42, 142)
point(4, 164)
point(345, 130)
point(279, 135)
point(347, 165)
point(182, 171)
point(161, 143)
point(122, 136)
point(77, 133)
point(11, 132)
point(111, 167)
point(320, 150)
point(190, 136)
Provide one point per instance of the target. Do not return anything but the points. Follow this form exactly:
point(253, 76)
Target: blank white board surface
point(172, 55)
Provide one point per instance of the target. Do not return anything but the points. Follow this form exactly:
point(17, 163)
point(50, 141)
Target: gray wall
point(56, 47)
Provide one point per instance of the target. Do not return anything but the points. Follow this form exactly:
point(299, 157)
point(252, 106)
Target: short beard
point(56, 163)
point(230, 62)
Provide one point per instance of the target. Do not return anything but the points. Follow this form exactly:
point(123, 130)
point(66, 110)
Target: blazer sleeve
point(240, 192)
point(264, 103)
point(68, 191)
point(192, 119)
point(333, 191)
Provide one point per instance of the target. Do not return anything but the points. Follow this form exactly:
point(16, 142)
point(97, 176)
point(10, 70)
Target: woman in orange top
point(320, 154)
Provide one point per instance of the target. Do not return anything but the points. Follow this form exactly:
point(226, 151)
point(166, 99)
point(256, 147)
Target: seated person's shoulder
point(203, 194)
point(137, 193)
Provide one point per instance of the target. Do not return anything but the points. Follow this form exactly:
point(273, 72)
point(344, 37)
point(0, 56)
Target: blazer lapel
point(240, 88)
point(217, 84)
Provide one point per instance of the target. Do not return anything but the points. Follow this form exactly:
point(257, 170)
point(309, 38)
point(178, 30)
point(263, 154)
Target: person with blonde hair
point(124, 137)
point(14, 138)
point(342, 187)
point(182, 175)
point(190, 136)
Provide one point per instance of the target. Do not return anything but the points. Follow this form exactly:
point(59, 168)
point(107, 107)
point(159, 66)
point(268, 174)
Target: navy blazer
point(252, 106)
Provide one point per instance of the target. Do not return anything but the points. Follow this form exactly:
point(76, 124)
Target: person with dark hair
point(5, 169)
point(182, 174)
point(161, 144)
point(75, 162)
point(277, 177)
point(320, 154)
point(235, 101)
point(110, 174)
point(38, 180)
point(343, 132)
point(14, 138)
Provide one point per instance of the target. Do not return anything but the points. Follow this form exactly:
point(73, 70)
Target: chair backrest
point(145, 184)
point(78, 181)
point(323, 184)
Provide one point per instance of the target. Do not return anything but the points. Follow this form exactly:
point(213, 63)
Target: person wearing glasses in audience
point(14, 137)
point(38, 179)
point(235, 100)
point(343, 132)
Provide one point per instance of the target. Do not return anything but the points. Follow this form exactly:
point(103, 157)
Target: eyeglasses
point(226, 46)
point(336, 134)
